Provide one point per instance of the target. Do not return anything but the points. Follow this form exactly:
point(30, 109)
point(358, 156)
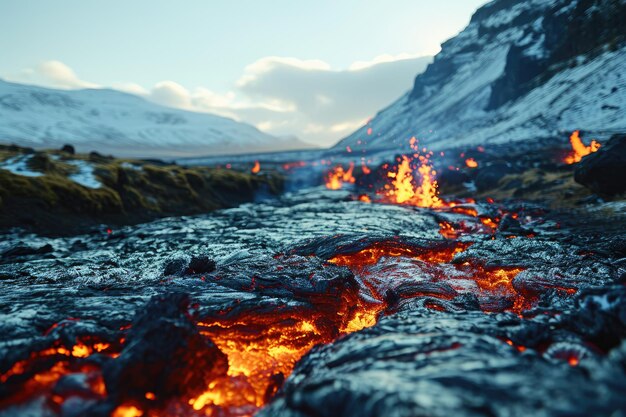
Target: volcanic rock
point(604, 171)
point(164, 354)
point(489, 175)
point(67, 148)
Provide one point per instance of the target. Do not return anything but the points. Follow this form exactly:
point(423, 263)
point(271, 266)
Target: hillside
point(521, 71)
point(110, 121)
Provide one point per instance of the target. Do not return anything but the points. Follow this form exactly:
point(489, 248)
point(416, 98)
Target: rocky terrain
point(475, 308)
point(475, 267)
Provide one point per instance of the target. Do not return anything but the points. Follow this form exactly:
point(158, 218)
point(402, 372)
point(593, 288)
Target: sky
point(313, 69)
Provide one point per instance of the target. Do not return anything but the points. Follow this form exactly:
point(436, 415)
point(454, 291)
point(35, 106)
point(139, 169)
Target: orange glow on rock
point(256, 168)
point(579, 149)
point(471, 163)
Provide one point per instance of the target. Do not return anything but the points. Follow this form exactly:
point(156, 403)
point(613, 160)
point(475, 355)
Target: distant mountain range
point(522, 70)
point(110, 121)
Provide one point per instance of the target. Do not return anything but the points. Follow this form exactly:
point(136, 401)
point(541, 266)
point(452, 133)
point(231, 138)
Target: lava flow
point(434, 266)
point(260, 350)
point(263, 349)
point(579, 149)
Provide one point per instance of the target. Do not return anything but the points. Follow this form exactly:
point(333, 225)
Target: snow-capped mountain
point(522, 70)
point(122, 124)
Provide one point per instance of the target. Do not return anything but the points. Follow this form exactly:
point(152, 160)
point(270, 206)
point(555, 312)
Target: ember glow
point(471, 163)
point(338, 176)
point(579, 149)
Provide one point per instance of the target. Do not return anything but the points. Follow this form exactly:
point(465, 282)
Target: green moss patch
point(130, 192)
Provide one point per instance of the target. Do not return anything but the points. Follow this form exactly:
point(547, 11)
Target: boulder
point(165, 354)
point(604, 171)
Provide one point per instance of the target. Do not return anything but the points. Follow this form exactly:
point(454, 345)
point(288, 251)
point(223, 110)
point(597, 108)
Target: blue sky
point(165, 50)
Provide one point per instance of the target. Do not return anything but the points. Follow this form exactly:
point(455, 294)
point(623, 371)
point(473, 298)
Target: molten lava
point(579, 149)
point(338, 176)
point(262, 349)
point(471, 163)
point(256, 168)
point(372, 254)
point(488, 282)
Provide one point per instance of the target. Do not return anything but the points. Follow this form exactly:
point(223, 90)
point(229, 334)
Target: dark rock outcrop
point(164, 354)
point(604, 171)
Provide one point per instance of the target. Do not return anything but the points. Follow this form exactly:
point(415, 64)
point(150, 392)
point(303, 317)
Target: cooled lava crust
point(315, 305)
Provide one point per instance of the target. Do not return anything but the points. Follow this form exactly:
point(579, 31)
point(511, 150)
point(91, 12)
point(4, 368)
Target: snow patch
point(84, 176)
point(18, 165)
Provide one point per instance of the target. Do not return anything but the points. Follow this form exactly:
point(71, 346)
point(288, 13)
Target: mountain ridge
point(520, 71)
point(111, 121)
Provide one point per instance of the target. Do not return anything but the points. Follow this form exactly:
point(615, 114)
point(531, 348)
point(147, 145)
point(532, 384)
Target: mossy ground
point(132, 191)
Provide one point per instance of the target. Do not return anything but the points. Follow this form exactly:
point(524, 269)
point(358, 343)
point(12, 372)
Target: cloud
point(282, 96)
point(52, 74)
point(328, 103)
point(172, 94)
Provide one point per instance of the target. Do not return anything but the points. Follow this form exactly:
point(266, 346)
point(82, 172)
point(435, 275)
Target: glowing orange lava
point(256, 168)
point(372, 254)
point(579, 149)
point(46, 367)
point(471, 163)
point(262, 350)
point(489, 281)
point(338, 176)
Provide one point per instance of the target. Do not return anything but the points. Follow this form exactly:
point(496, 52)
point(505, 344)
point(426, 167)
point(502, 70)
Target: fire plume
point(404, 189)
point(338, 176)
point(579, 149)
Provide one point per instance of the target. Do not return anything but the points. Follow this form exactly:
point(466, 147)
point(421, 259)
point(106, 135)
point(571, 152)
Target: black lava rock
point(449, 178)
point(68, 149)
point(201, 264)
point(604, 171)
point(24, 250)
point(489, 176)
point(164, 354)
point(175, 265)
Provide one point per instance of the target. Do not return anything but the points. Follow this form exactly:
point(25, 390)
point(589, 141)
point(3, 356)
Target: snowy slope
point(522, 70)
point(122, 124)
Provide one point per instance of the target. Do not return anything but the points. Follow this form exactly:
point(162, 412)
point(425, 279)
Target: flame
point(579, 149)
point(339, 176)
point(127, 411)
point(256, 168)
point(404, 190)
point(471, 163)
